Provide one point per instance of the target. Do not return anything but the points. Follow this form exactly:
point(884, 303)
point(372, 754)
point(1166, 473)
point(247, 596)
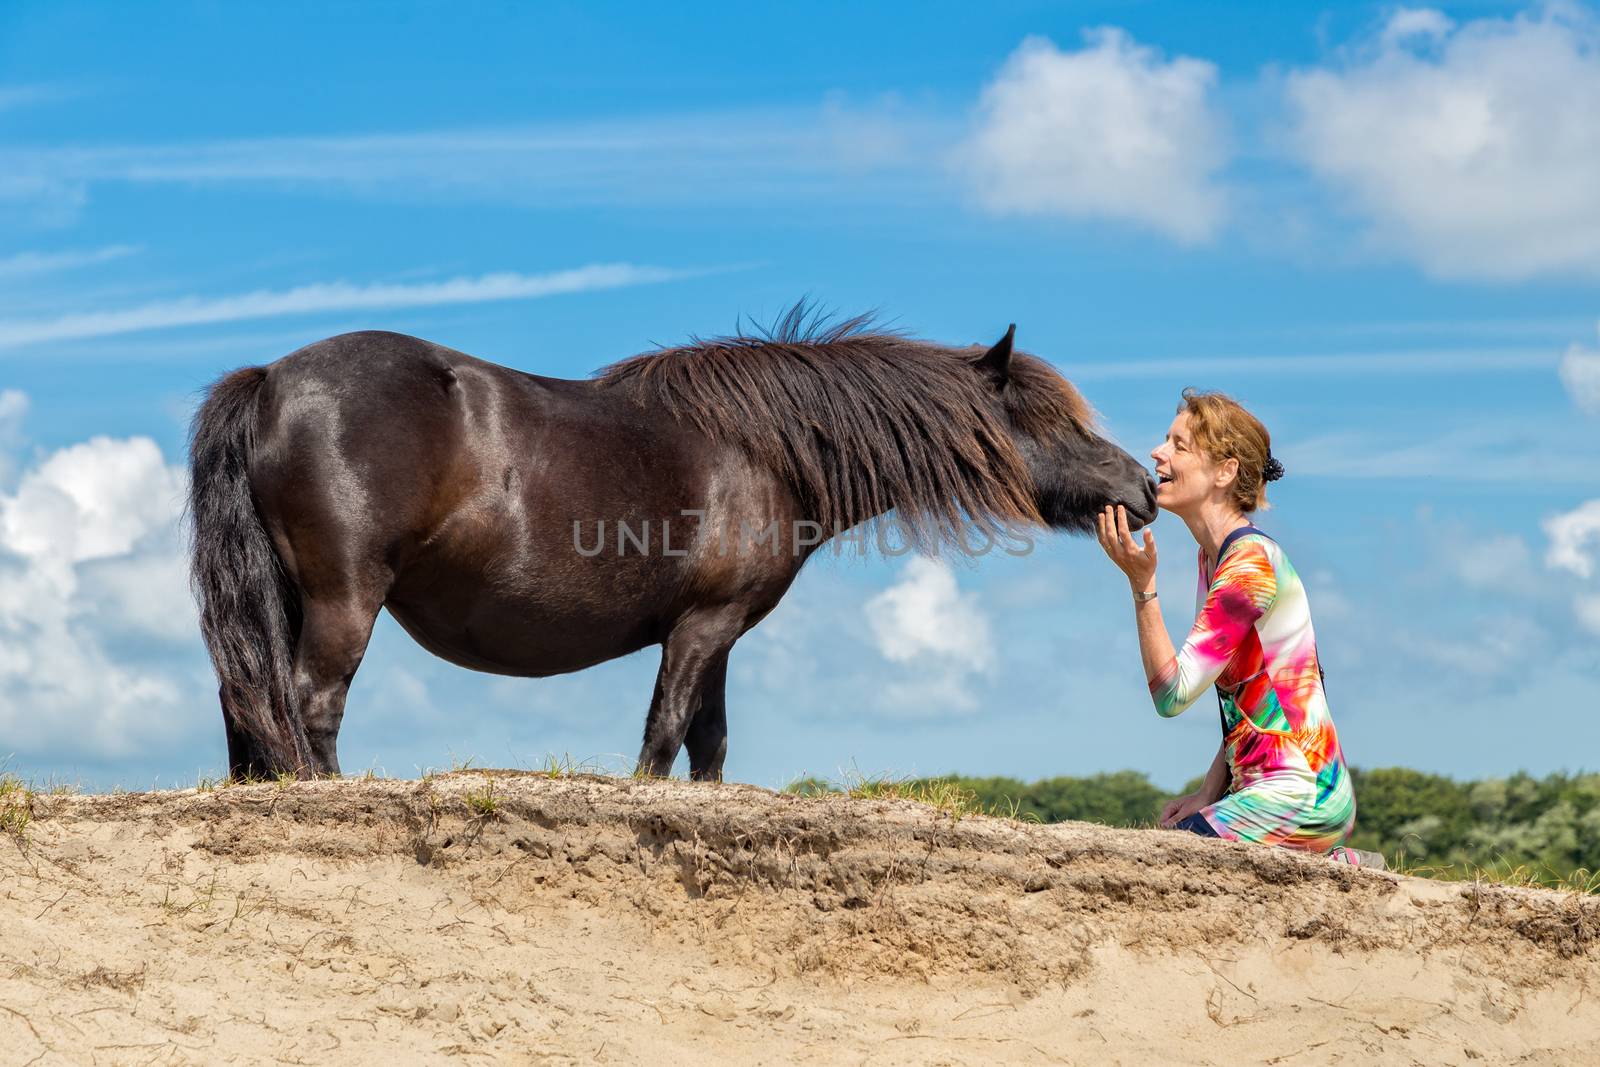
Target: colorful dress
point(1253, 639)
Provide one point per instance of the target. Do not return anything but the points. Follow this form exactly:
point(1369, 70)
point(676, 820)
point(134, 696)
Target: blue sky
point(1377, 226)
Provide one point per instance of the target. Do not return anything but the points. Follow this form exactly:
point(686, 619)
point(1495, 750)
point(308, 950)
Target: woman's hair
point(1224, 430)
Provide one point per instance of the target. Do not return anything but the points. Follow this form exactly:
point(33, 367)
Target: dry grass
point(564, 766)
point(16, 805)
point(949, 797)
point(1504, 872)
point(183, 899)
point(457, 765)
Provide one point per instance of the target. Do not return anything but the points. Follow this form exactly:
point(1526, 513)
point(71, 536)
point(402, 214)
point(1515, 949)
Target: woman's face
point(1185, 476)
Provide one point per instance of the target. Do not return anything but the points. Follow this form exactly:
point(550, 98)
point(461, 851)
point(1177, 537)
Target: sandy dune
point(522, 919)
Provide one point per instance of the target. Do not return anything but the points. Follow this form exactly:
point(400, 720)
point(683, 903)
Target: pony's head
point(1075, 472)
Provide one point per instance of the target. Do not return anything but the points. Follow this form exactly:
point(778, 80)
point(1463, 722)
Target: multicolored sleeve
point(1241, 592)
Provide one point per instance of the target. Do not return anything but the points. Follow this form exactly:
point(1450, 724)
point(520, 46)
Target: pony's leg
point(707, 739)
point(333, 638)
point(689, 657)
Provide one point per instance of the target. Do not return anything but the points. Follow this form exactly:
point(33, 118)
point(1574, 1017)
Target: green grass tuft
point(564, 766)
point(946, 794)
point(482, 803)
point(16, 805)
point(1505, 873)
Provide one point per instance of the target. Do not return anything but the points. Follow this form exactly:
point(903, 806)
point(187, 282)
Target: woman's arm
point(1212, 789)
point(1155, 644)
point(1139, 564)
point(1241, 591)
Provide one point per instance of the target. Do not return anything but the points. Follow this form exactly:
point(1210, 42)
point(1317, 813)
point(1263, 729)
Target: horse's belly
point(526, 640)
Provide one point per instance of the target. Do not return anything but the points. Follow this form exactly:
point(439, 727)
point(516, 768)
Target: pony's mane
point(858, 419)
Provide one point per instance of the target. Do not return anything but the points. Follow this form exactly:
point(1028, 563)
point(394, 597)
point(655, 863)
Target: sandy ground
point(588, 920)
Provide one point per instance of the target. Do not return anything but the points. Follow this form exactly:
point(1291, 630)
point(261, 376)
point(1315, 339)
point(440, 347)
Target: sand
point(511, 918)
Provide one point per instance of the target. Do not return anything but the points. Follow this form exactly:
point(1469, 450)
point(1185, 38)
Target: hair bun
point(1273, 469)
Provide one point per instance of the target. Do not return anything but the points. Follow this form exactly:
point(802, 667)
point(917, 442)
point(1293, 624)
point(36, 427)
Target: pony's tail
point(249, 610)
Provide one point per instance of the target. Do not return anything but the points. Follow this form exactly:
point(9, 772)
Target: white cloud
point(1588, 609)
point(24, 264)
point(329, 296)
point(1484, 655)
point(1484, 599)
point(1471, 149)
point(1412, 23)
point(42, 201)
point(1580, 373)
point(910, 650)
point(143, 593)
point(1110, 131)
point(772, 154)
point(1495, 562)
point(90, 501)
point(19, 96)
point(90, 554)
point(925, 614)
point(1571, 534)
point(13, 409)
point(924, 621)
point(1574, 541)
point(1329, 596)
point(1520, 450)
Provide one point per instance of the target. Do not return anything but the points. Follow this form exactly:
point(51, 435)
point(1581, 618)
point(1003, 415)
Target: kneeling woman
point(1279, 777)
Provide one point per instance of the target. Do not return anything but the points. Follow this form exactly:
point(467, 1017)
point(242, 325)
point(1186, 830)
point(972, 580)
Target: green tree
point(1548, 826)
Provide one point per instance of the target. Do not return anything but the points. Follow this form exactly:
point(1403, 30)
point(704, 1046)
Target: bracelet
point(1142, 598)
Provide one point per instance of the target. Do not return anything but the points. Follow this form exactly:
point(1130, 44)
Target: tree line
point(1546, 827)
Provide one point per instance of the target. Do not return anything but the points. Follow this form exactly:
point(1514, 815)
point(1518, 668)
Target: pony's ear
point(996, 362)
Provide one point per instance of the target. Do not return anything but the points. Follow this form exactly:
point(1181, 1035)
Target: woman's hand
point(1137, 562)
point(1180, 808)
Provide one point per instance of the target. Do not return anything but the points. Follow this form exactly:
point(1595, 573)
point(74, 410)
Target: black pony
point(533, 526)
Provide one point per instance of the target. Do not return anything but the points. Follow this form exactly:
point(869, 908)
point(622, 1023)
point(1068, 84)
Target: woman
point(1279, 777)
